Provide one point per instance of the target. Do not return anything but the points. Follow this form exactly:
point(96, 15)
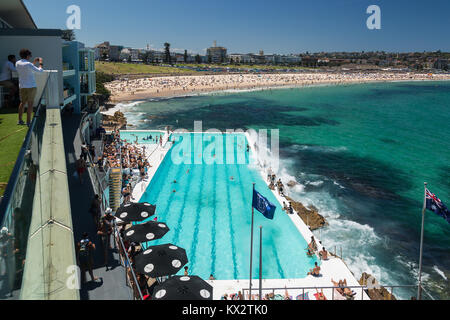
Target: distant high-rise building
point(216, 54)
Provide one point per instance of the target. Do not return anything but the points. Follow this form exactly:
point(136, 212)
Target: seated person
point(323, 254)
point(343, 289)
point(312, 245)
point(285, 207)
point(315, 272)
point(290, 209)
point(310, 253)
point(320, 295)
point(286, 294)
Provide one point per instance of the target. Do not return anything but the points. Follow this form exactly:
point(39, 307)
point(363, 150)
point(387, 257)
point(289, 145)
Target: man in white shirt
point(6, 76)
point(27, 82)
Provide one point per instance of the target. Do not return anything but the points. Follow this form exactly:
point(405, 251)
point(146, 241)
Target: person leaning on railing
point(27, 82)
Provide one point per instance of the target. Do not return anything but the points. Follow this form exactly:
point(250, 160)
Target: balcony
point(35, 212)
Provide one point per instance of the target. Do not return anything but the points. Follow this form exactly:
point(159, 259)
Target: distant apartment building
point(441, 64)
point(125, 54)
point(216, 54)
point(114, 53)
point(108, 51)
point(135, 55)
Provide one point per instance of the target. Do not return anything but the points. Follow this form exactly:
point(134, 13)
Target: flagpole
point(251, 248)
point(260, 262)
point(419, 289)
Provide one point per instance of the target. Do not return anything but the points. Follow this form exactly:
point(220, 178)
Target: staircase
point(115, 188)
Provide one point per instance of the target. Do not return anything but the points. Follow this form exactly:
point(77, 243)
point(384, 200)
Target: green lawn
point(117, 68)
point(11, 139)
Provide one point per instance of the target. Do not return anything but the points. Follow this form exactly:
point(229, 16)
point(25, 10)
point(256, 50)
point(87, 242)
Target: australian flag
point(434, 204)
point(263, 205)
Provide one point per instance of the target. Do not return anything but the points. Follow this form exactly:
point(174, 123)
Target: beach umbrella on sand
point(159, 261)
point(151, 230)
point(135, 211)
point(183, 288)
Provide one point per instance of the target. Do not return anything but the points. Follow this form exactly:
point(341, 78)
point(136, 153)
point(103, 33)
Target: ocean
point(360, 154)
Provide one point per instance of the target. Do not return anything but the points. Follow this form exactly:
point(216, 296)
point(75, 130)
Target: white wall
point(47, 47)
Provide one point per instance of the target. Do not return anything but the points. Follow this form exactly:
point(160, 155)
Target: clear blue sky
point(278, 26)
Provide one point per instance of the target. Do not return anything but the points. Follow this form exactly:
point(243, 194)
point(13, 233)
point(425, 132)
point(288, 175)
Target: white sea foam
point(440, 272)
point(121, 107)
point(315, 183)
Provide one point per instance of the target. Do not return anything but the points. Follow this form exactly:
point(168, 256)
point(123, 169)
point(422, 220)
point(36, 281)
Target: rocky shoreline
point(380, 293)
point(310, 215)
point(117, 121)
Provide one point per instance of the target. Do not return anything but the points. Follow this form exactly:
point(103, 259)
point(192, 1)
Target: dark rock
point(310, 215)
point(375, 294)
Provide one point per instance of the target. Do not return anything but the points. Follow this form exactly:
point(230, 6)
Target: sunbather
point(312, 245)
point(316, 271)
point(343, 289)
point(320, 295)
point(323, 254)
point(286, 294)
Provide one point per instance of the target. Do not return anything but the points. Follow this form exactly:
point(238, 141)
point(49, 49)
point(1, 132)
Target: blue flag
point(434, 204)
point(263, 205)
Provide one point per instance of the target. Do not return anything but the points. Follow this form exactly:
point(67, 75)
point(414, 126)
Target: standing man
point(27, 82)
point(81, 167)
point(85, 250)
point(6, 77)
point(105, 232)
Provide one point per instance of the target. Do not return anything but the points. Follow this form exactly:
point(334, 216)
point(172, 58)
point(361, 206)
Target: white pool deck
point(334, 268)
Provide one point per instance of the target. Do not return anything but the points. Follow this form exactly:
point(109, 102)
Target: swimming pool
point(210, 213)
point(130, 136)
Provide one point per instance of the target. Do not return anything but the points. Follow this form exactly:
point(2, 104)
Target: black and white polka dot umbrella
point(159, 261)
point(135, 211)
point(151, 230)
point(183, 288)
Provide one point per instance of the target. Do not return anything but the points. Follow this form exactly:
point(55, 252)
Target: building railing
point(30, 215)
point(360, 291)
point(16, 208)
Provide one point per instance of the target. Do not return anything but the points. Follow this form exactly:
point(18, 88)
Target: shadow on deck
point(112, 283)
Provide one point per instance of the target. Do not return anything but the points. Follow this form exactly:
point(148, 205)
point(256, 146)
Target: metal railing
point(332, 288)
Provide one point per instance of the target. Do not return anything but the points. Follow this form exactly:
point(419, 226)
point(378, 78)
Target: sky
point(277, 26)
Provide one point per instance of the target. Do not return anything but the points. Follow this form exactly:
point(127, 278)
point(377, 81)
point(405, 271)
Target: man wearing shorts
point(27, 82)
point(6, 77)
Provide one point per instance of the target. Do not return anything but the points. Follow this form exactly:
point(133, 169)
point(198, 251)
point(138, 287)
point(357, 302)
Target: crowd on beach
point(166, 86)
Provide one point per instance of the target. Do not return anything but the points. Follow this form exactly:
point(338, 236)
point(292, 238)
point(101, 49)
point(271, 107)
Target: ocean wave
point(121, 107)
point(313, 148)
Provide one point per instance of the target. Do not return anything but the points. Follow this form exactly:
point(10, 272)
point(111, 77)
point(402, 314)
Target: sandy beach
point(145, 88)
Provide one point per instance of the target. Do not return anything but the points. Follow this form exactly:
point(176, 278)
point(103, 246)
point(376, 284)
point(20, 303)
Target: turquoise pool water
point(210, 214)
point(131, 136)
